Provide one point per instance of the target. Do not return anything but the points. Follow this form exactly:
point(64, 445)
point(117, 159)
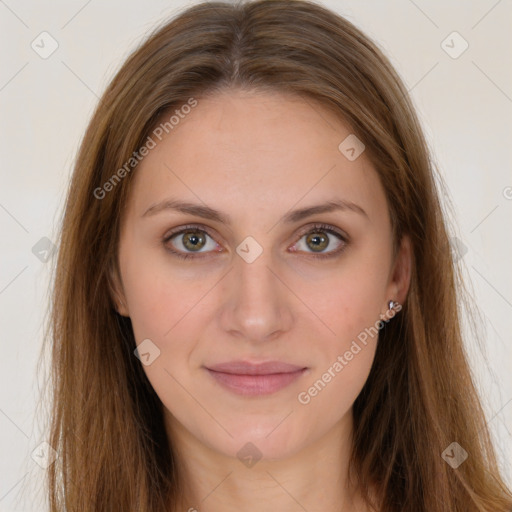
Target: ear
point(116, 290)
point(400, 279)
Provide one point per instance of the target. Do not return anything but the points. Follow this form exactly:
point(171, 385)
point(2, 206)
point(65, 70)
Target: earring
point(393, 304)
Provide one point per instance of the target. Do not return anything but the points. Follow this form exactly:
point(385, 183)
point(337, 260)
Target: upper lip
point(247, 368)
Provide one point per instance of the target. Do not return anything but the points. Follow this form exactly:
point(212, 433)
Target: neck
point(313, 478)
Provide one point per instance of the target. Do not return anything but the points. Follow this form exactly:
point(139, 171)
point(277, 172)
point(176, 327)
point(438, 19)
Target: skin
point(255, 157)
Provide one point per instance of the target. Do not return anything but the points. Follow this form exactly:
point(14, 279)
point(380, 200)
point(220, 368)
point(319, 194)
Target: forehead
point(253, 151)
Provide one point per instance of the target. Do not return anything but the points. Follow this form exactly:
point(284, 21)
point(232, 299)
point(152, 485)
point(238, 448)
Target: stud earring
point(393, 304)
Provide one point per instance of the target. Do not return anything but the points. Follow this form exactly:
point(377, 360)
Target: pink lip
point(250, 379)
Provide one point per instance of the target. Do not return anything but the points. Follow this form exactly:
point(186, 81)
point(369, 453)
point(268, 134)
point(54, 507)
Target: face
point(245, 274)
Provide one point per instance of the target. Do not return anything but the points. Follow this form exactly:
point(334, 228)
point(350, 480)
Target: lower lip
point(254, 385)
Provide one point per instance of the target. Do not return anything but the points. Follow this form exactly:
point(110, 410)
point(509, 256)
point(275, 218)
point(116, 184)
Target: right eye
point(189, 238)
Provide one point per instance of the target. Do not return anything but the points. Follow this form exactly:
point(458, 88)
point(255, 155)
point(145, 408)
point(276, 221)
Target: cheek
point(331, 392)
point(157, 299)
point(345, 357)
point(350, 307)
point(349, 294)
point(348, 303)
point(166, 309)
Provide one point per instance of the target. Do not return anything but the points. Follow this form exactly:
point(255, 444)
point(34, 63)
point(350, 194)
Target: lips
point(250, 379)
point(246, 368)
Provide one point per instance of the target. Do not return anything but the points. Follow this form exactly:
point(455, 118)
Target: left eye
point(318, 239)
point(192, 239)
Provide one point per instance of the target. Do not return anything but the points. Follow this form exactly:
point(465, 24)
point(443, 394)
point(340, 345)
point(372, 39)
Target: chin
point(266, 439)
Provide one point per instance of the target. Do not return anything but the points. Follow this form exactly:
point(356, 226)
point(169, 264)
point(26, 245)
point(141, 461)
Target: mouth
point(248, 379)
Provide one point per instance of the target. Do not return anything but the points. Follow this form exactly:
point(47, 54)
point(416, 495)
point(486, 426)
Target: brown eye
point(185, 242)
point(319, 241)
point(193, 240)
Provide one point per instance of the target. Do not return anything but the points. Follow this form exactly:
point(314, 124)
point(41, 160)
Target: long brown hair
point(107, 422)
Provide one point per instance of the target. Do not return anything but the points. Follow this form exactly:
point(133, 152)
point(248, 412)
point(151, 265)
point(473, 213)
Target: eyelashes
point(319, 232)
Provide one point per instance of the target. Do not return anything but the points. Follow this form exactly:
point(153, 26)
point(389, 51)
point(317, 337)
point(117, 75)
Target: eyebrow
point(215, 215)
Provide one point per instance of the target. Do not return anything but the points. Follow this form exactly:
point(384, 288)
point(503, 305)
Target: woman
point(255, 303)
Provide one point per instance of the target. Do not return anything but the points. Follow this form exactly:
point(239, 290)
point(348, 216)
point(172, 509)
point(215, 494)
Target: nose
point(256, 301)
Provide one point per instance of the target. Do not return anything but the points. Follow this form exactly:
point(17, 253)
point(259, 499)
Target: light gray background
point(464, 103)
